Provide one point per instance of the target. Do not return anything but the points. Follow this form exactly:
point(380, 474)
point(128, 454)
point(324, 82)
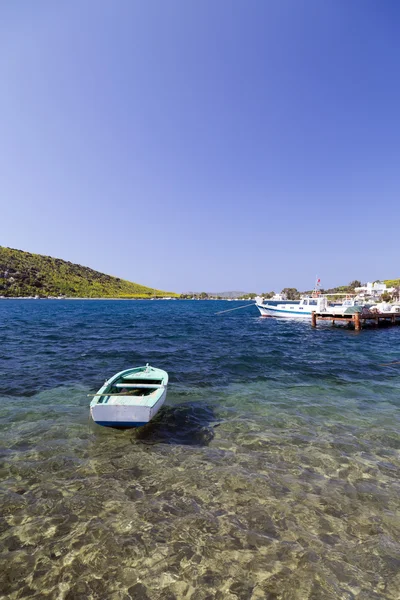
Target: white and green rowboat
point(130, 398)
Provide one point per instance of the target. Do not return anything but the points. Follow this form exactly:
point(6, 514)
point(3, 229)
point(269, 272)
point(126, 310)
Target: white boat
point(340, 309)
point(385, 307)
point(130, 398)
point(293, 310)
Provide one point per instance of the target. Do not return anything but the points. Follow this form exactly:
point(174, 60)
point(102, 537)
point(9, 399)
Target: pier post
point(357, 322)
point(313, 319)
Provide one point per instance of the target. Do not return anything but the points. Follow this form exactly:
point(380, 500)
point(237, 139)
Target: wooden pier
point(359, 320)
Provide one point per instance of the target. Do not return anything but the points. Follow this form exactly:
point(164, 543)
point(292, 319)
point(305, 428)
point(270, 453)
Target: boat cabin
point(352, 302)
point(310, 304)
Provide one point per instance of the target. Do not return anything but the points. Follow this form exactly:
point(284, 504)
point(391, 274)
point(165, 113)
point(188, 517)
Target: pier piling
point(313, 319)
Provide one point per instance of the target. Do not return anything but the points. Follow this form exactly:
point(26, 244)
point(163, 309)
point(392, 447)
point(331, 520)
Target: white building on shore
point(277, 297)
point(373, 290)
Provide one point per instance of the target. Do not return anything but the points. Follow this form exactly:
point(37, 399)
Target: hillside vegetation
point(26, 274)
point(294, 294)
point(392, 282)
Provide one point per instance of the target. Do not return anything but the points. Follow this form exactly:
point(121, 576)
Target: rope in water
point(231, 309)
point(395, 362)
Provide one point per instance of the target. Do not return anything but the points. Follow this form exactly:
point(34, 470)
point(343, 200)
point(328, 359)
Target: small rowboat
point(130, 398)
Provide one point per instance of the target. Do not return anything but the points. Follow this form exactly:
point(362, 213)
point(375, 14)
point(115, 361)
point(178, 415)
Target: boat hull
point(126, 415)
point(274, 311)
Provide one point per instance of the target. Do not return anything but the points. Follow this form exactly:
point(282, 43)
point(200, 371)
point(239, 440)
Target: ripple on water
point(271, 472)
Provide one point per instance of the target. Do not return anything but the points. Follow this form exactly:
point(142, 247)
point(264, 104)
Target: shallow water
point(273, 470)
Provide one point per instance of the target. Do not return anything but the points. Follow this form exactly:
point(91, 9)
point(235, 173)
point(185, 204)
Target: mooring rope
point(231, 309)
point(395, 362)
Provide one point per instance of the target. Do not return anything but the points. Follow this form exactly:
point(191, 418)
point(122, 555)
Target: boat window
point(305, 302)
point(313, 303)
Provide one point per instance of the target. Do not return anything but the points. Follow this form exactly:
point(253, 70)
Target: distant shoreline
point(77, 298)
point(124, 299)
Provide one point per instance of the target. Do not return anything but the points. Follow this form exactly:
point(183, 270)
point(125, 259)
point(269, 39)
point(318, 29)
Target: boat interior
point(131, 386)
point(128, 391)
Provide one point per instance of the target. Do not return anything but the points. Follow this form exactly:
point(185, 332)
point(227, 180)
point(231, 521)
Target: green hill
point(392, 282)
point(26, 274)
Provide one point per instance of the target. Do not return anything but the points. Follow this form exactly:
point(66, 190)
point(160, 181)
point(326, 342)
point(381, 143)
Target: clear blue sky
point(203, 145)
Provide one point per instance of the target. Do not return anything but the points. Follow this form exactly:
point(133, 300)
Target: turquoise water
point(273, 470)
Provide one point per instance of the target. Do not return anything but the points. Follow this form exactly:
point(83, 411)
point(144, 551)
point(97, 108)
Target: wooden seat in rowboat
point(137, 385)
point(131, 379)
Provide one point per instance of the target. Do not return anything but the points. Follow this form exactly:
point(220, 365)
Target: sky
point(202, 145)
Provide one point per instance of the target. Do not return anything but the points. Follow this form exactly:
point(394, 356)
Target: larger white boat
point(293, 310)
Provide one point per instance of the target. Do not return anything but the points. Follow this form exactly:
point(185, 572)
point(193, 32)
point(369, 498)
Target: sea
point(272, 471)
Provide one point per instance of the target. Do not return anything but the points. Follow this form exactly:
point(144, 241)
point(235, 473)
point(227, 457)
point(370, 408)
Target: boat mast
point(317, 286)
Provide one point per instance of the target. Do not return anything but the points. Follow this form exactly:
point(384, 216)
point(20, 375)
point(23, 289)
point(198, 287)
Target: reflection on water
point(272, 471)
